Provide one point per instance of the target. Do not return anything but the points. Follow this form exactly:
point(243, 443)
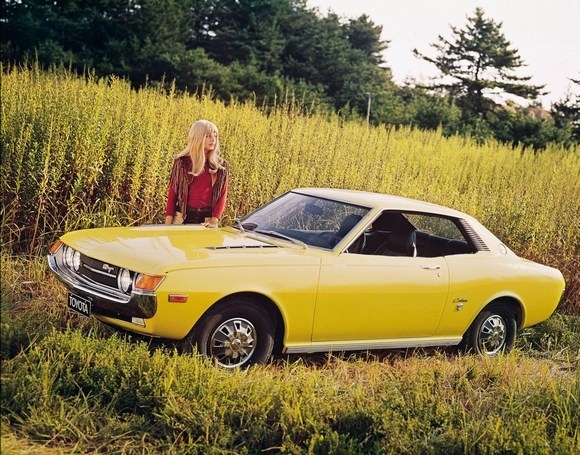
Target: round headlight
point(124, 280)
point(76, 261)
point(68, 256)
point(72, 258)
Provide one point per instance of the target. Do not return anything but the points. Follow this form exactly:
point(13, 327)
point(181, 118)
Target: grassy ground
point(72, 385)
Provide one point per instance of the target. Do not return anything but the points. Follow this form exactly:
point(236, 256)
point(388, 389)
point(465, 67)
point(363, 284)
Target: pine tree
point(479, 64)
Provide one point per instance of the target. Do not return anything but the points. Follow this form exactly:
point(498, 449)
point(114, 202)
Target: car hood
point(160, 248)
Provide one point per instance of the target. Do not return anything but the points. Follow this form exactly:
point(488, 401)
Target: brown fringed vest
point(180, 179)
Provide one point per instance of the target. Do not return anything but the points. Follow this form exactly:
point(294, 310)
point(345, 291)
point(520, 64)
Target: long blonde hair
point(196, 150)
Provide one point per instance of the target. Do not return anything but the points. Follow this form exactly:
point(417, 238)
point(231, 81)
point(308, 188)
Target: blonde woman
point(199, 179)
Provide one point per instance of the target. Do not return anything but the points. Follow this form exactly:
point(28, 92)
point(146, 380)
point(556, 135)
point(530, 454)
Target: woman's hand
point(211, 222)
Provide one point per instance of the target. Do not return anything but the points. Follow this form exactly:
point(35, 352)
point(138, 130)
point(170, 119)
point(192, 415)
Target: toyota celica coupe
point(314, 270)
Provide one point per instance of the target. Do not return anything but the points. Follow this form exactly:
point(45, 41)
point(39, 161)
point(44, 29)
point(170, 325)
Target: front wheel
point(237, 334)
point(492, 332)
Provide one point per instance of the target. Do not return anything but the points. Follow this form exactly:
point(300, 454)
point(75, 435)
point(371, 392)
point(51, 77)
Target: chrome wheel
point(493, 331)
point(233, 342)
point(236, 333)
point(492, 335)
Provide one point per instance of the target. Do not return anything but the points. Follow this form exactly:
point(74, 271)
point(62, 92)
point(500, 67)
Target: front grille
point(98, 280)
point(92, 272)
point(98, 271)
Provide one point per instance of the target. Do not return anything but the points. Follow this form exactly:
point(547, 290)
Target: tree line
point(265, 51)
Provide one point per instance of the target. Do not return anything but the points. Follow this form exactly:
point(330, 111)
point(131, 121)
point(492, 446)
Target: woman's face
point(210, 141)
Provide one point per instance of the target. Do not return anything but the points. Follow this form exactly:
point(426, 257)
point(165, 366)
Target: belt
point(198, 209)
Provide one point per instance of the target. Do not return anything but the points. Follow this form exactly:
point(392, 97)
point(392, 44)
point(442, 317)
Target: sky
point(545, 33)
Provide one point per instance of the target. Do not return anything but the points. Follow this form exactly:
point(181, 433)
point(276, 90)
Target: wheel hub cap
point(493, 335)
point(233, 342)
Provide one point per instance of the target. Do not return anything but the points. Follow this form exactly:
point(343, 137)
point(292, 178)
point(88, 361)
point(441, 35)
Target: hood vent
point(240, 247)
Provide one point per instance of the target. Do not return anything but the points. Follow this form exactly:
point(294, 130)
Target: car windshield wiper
point(282, 236)
point(243, 227)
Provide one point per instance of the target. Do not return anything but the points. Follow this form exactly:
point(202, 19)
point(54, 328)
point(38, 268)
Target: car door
point(368, 297)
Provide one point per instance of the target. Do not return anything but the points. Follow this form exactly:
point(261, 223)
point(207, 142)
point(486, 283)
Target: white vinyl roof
point(381, 201)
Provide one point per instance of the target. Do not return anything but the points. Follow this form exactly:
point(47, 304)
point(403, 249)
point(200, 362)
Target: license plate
point(79, 304)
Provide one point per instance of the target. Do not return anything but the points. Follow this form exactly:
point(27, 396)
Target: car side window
point(435, 225)
point(415, 235)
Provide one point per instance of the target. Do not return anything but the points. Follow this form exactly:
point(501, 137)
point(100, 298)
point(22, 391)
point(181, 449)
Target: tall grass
point(85, 152)
point(87, 394)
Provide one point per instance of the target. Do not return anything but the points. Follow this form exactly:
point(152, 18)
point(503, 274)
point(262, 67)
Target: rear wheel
point(236, 334)
point(492, 332)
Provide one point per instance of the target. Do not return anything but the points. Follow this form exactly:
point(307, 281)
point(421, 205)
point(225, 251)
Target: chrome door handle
point(431, 267)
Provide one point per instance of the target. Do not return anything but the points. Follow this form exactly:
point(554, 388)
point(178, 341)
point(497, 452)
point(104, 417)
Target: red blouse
point(199, 195)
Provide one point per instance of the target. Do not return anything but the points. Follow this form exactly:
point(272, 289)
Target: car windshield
point(308, 219)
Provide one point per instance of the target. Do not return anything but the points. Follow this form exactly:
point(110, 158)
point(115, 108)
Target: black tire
point(235, 334)
point(493, 331)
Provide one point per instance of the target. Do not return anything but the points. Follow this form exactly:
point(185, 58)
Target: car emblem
point(107, 268)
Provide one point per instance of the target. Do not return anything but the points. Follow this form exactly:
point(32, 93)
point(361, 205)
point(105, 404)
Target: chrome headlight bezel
point(71, 258)
point(125, 280)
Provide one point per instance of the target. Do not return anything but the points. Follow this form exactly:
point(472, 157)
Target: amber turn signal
point(55, 246)
point(148, 282)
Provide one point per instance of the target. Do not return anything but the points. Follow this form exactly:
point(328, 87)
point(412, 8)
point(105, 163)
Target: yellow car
point(313, 270)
